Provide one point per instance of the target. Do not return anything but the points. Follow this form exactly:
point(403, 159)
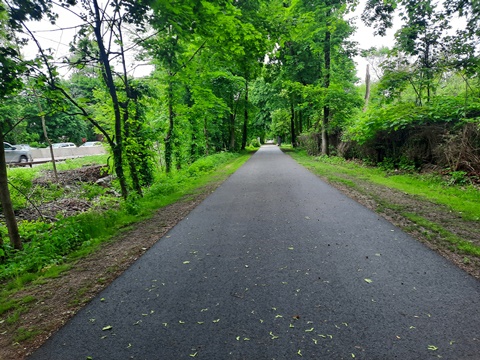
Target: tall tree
point(11, 72)
point(318, 29)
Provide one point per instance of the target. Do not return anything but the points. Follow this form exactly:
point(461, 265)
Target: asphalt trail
point(276, 264)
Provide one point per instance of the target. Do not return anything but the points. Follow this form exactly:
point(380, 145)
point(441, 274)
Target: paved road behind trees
point(276, 264)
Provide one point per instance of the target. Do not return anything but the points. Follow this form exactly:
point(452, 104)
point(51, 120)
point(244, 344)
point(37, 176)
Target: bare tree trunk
point(47, 139)
point(367, 88)
point(6, 201)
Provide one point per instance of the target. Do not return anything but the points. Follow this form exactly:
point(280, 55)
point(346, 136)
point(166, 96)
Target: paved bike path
point(276, 264)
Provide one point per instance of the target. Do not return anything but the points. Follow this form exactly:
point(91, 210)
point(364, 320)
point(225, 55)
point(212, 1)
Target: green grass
point(459, 244)
point(25, 334)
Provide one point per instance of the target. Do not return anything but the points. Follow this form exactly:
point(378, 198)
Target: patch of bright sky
point(366, 39)
point(58, 36)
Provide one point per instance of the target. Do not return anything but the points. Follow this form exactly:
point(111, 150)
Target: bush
point(207, 164)
point(255, 143)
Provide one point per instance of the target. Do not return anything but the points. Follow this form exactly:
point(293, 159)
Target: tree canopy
point(227, 74)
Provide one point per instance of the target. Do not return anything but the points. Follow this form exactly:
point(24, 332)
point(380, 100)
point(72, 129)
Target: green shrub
point(255, 143)
point(458, 178)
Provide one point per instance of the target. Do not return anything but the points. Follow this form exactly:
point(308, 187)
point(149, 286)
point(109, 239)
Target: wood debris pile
point(86, 174)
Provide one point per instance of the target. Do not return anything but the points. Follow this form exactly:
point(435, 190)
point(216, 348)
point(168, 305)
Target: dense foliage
point(226, 74)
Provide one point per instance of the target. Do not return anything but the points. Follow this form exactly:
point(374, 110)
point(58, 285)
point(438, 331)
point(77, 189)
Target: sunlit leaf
point(108, 327)
point(432, 347)
point(299, 353)
point(368, 280)
point(310, 330)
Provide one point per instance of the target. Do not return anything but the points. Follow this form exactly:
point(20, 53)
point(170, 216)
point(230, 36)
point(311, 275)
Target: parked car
point(91, 144)
point(16, 155)
point(23, 146)
point(64, 145)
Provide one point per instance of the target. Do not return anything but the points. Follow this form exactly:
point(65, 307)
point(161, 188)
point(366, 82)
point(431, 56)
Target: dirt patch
point(56, 300)
point(86, 174)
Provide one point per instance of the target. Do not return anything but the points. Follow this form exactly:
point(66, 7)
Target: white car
point(64, 145)
point(91, 144)
point(16, 155)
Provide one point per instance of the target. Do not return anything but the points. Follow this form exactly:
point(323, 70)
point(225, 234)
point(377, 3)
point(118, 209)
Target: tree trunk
point(326, 108)
point(292, 124)
point(110, 83)
point(367, 88)
point(233, 115)
point(300, 121)
point(6, 201)
point(169, 137)
point(232, 132)
point(45, 135)
point(205, 131)
point(131, 155)
point(245, 118)
point(325, 139)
